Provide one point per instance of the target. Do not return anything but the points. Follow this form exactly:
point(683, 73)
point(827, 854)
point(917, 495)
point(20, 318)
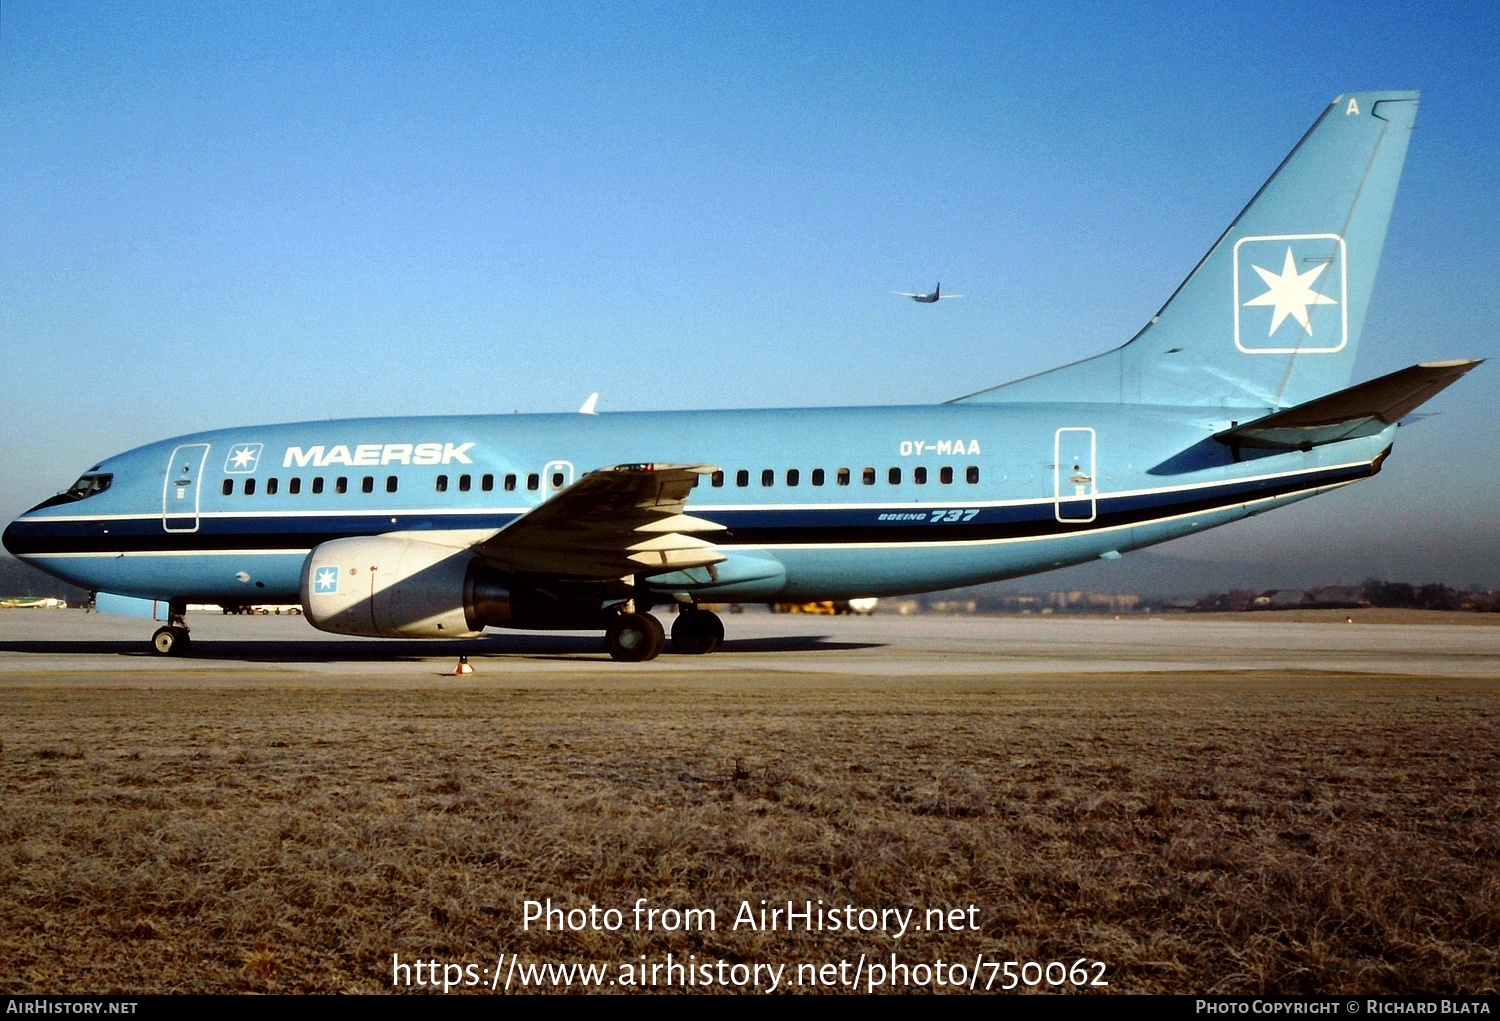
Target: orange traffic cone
point(463, 667)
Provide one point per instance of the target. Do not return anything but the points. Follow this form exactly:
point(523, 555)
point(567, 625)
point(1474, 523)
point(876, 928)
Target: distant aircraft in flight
point(1233, 400)
point(936, 296)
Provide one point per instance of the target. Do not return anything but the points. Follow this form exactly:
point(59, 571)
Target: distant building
point(1281, 599)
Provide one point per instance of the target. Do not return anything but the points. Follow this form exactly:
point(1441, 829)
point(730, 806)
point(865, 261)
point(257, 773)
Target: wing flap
point(682, 523)
point(608, 524)
point(1361, 410)
point(675, 559)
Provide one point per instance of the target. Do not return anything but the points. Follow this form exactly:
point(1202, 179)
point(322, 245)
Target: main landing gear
point(637, 637)
point(696, 632)
point(172, 640)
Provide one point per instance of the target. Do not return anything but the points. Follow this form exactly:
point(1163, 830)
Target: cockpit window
point(88, 485)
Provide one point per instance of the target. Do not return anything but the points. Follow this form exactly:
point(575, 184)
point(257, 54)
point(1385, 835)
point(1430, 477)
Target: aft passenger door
point(557, 476)
point(180, 490)
point(1073, 488)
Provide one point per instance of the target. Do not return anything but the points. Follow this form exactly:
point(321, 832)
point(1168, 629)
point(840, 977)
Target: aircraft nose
point(10, 534)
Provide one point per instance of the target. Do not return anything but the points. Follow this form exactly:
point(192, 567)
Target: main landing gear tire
point(171, 641)
point(635, 638)
point(697, 632)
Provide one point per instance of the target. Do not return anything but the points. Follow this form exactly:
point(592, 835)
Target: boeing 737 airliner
point(1233, 400)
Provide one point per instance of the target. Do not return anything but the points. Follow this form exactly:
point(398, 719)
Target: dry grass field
point(1225, 833)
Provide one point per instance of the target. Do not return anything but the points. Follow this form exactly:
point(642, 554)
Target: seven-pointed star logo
point(327, 580)
point(1291, 293)
point(242, 458)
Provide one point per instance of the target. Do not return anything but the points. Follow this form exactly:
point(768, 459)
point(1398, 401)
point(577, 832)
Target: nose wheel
point(635, 638)
point(172, 640)
point(696, 632)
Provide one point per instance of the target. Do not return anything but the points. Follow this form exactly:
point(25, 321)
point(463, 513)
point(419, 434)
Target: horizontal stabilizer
point(1361, 410)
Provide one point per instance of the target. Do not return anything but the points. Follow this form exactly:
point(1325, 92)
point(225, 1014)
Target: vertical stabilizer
point(1272, 315)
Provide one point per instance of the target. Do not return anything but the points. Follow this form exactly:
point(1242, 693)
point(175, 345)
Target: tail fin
point(1271, 316)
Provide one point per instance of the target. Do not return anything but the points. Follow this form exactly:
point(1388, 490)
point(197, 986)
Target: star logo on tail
point(1291, 293)
point(1311, 287)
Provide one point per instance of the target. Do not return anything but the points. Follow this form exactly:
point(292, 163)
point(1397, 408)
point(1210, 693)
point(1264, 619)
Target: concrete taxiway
point(53, 645)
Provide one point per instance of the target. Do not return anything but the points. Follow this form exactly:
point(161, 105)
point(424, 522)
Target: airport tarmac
point(52, 645)
point(1199, 802)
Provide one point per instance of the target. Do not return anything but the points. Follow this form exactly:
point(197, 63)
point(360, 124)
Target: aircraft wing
point(1361, 410)
point(613, 522)
point(909, 294)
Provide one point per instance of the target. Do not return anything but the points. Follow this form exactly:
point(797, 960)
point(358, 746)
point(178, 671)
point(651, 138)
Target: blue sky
point(227, 214)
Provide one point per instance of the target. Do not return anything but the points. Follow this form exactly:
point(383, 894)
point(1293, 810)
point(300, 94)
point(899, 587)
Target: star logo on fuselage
point(1290, 293)
point(242, 459)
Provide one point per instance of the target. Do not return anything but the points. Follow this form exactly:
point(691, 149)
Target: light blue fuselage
point(1148, 474)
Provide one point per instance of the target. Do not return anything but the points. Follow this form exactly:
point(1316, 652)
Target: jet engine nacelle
point(390, 587)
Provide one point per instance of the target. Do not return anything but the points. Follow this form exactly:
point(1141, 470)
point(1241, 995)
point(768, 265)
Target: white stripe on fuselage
point(117, 554)
point(703, 508)
point(1048, 537)
point(922, 544)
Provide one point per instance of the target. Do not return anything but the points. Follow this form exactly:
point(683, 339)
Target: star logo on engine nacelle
point(326, 579)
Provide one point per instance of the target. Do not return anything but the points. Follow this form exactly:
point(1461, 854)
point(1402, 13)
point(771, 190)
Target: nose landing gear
point(172, 640)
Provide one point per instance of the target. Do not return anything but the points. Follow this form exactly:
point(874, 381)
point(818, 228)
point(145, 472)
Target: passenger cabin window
point(867, 476)
point(768, 478)
point(228, 486)
point(533, 482)
point(390, 483)
point(464, 483)
point(442, 483)
point(793, 476)
point(717, 480)
point(971, 474)
point(843, 476)
point(945, 475)
point(367, 484)
point(317, 485)
point(742, 478)
point(341, 484)
point(510, 483)
point(249, 487)
point(557, 480)
point(893, 476)
point(487, 483)
point(919, 476)
point(294, 486)
point(817, 476)
point(271, 486)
